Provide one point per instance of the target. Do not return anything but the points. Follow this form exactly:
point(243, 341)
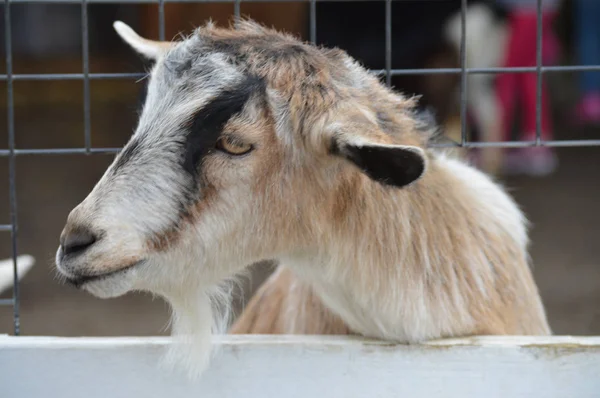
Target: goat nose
point(76, 240)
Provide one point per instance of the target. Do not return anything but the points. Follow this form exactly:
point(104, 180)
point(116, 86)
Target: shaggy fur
point(253, 145)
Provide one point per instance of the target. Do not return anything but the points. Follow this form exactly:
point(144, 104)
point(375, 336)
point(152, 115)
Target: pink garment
point(513, 88)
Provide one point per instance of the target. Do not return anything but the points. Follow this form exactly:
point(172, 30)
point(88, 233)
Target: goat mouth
point(81, 280)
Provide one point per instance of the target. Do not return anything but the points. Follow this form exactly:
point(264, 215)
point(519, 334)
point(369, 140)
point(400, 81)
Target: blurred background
point(558, 189)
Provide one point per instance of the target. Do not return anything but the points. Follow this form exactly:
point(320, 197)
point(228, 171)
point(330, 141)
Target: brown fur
point(317, 83)
point(444, 255)
point(512, 308)
point(286, 305)
point(313, 80)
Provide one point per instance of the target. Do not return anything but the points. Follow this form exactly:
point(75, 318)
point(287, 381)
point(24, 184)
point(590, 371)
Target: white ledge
point(256, 339)
point(305, 366)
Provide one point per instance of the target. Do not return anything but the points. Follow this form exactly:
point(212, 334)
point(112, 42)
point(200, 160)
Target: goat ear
point(394, 165)
point(148, 48)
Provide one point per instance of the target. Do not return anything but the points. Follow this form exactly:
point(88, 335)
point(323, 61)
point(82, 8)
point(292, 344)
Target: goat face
point(248, 144)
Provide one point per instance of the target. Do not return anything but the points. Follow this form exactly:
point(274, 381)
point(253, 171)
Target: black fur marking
point(204, 129)
point(292, 51)
point(385, 123)
point(396, 167)
point(183, 67)
point(130, 150)
point(207, 124)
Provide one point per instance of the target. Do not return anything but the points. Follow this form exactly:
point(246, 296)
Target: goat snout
point(76, 240)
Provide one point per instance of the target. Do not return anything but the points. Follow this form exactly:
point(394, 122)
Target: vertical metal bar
point(11, 161)
point(313, 21)
point(538, 65)
point(161, 20)
point(87, 125)
point(237, 11)
point(388, 42)
point(463, 73)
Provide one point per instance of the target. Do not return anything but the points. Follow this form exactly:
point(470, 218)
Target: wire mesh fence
point(387, 73)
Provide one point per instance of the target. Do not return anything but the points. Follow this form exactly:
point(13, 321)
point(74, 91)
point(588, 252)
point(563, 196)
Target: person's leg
point(528, 83)
point(587, 35)
point(536, 161)
point(507, 89)
point(550, 43)
point(529, 86)
point(526, 31)
point(506, 83)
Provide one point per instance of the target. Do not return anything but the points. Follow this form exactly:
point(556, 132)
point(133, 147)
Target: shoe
point(588, 109)
point(535, 162)
point(513, 163)
point(540, 161)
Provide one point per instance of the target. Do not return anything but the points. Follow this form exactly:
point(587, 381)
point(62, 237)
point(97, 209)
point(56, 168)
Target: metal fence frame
point(388, 72)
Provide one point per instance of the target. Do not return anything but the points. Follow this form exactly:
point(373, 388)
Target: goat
point(252, 145)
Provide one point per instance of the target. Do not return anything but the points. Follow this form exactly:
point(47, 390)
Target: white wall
point(304, 366)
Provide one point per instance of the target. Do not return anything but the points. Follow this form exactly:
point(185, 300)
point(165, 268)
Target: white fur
point(387, 316)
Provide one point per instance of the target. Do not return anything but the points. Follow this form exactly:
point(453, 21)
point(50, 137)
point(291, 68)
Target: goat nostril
point(77, 241)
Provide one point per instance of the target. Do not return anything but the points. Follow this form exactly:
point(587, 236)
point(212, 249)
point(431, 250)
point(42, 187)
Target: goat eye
point(233, 146)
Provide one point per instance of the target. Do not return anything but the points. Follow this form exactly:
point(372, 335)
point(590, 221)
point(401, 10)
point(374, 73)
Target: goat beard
point(195, 318)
